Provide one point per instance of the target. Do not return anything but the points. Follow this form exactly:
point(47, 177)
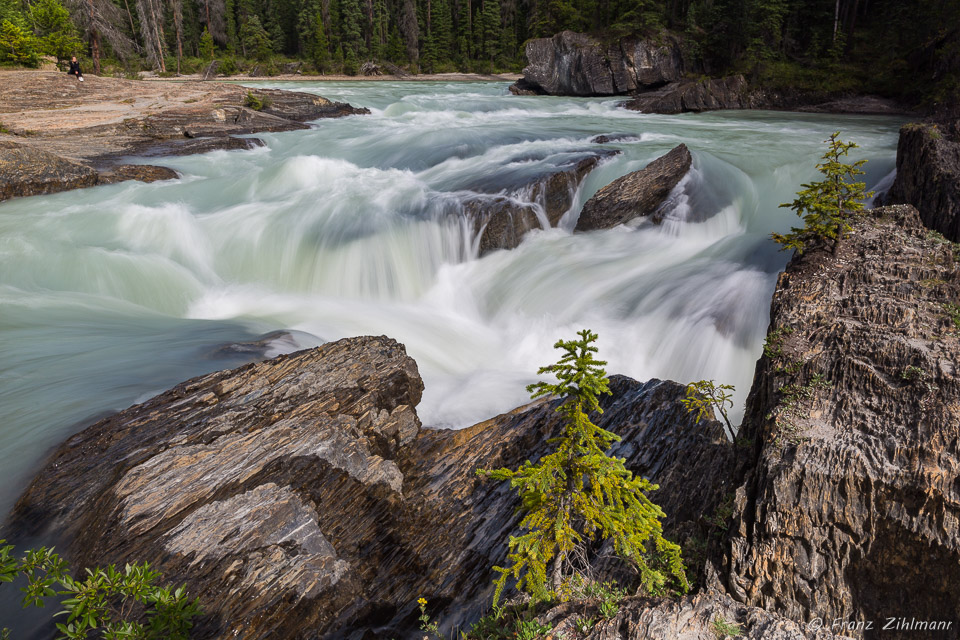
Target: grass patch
point(725, 629)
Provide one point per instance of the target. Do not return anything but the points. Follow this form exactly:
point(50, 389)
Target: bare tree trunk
point(836, 21)
point(133, 29)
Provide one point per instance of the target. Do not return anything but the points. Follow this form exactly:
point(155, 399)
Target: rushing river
point(113, 294)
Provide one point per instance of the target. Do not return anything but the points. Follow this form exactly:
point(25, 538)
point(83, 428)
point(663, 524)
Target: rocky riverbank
point(661, 77)
point(60, 134)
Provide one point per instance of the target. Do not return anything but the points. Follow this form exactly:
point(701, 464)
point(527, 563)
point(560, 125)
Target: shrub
point(105, 600)
point(256, 102)
point(579, 493)
point(827, 207)
point(705, 395)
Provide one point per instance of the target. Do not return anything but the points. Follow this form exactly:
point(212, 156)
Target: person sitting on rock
point(75, 69)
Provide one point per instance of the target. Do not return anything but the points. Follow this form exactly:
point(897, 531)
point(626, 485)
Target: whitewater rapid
point(112, 294)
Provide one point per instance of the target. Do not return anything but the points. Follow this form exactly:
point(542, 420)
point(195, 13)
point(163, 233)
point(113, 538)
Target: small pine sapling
point(706, 395)
point(828, 206)
point(578, 493)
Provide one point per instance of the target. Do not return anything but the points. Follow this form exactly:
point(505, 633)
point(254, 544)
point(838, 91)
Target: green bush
point(18, 45)
point(256, 102)
point(578, 493)
point(110, 602)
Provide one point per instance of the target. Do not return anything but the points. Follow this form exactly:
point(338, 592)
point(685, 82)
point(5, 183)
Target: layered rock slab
point(636, 194)
point(299, 496)
point(850, 504)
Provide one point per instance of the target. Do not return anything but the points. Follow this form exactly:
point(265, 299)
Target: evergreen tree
point(255, 40)
point(206, 45)
point(578, 493)
point(491, 30)
point(827, 206)
point(351, 35)
point(55, 31)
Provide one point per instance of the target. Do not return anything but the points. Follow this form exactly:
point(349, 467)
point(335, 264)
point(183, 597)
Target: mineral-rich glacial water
point(112, 294)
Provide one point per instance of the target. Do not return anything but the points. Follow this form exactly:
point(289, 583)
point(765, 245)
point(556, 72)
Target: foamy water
point(109, 295)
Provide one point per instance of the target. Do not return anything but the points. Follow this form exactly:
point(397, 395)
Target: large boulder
point(575, 64)
point(850, 504)
point(299, 496)
point(502, 218)
point(928, 174)
point(636, 194)
point(694, 95)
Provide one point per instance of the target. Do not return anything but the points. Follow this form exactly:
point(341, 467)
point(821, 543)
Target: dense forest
point(847, 44)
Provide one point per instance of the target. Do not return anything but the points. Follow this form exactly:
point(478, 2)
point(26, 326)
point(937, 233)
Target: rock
point(636, 194)
point(299, 496)
point(291, 68)
point(694, 95)
point(928, 174)
point(141, 172)
point(688, 618)
point(503, 219)
point(615, 137)
point(850, 504)
point(862, 105)
point(575, 64)
point(25, 171)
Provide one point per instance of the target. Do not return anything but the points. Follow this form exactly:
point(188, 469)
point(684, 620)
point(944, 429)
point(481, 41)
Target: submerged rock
point(299, 496)
point(850, 504)
point(928, 174)
point(575, 64)
point(636, 194)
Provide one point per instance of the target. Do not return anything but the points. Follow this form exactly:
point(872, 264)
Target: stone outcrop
point(688, 618)
point(25, 171)
point(502, 219)
point(299, 496)
point(928, 174)
point(636, 194)
point(575, 64)
point(850, 502)
point(83, 133)
point(694, 95)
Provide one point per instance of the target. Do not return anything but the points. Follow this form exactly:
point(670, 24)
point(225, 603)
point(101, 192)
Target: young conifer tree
point(578, 494)
point(827, 206)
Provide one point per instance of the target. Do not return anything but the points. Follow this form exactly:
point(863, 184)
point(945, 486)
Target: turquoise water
point(112, 294)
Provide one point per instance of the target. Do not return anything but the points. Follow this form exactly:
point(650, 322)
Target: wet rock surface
point(503, 218)
point(636, 194)
point(575, 64)
point(928, 174)
point(97, 123)
point(694, 95)
point(850, 507)
point(299, 496)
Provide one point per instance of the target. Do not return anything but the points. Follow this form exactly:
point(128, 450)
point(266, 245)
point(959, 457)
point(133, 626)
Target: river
point(112, 294)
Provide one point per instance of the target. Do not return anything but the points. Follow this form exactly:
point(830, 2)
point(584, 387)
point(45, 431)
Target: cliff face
point(575, 64)
point(850, 502)
point(928, 174)
point(299, 496)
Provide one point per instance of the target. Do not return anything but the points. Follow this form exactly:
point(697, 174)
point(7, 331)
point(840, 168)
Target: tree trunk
point(836, 21)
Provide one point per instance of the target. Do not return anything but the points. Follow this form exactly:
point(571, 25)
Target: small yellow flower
point(422, 602)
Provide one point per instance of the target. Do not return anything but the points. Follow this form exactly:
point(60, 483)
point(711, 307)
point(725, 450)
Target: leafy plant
point(953, 312)
point(578, 493)
point(584, 625)
point(723, 628)
point(425, 624)
point(773, 343)
point(110, 602)
point(705, 395)
point(827, 207)
point(530, 630)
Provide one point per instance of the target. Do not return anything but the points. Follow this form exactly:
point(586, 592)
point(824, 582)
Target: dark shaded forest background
point(905, 48)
